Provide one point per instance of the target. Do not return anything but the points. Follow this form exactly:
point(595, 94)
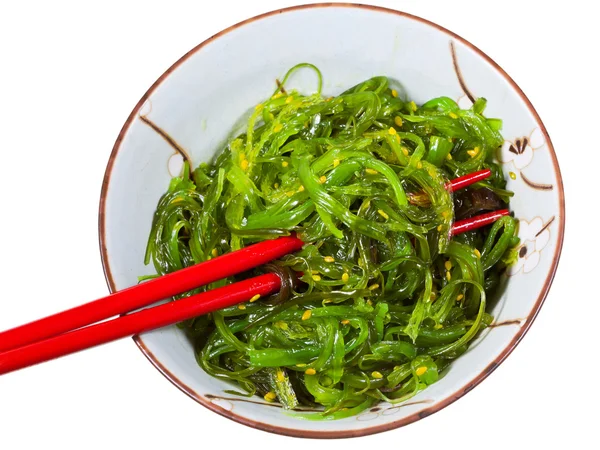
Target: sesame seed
point(258, 107)
point(329, 259)
point(316, 277)
point(419, 165)
point(432, 296)
point(371, 171)
point(449, 157)
point(280, 375)
point(448, 265)
point(398, 121)
point(244, 164)
point(373, 287)
point(445, 214)
point(301, 188)
point(377, 375)
point(439, 228)
point(394, 93)
point(336, 162)
point(242, 307)
point(404, 151)
point(215, 252)
point(413, 106)
point(276, 185)
point(421, 370)
point(460, 297)
point(285, 164)
point(438, 326)
point(310, 371)
point(392, 131)
point(512, 175)
point(290, 99)
point(276, 96)
point(473, 153)
point(383, 214)
point(369, 302)
point(289, 193)
point(345, 322)
point(256, 297)
point(345, 277)
point(448, 276)
point(322, 179)
point(281, 325)
point(306, 315)
point(477, 253)
point(453, 116)
point(277, 128)
point(270, 396)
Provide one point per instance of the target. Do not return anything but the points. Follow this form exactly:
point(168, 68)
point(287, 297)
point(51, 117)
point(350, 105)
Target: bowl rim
point(377, 428)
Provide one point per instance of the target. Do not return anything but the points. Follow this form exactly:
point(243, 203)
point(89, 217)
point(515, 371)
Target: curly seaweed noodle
point(384, 298)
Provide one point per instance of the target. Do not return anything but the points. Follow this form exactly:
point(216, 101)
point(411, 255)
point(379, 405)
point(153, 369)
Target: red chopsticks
point(482, 220)
point(72, 330)
point(150, 292)
point(52, 337)
point(468, 180)
point(138, 322)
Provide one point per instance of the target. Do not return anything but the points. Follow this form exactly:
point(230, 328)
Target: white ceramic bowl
point(240, 65)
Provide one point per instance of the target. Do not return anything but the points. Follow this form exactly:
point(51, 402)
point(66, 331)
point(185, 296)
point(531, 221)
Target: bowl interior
point(202, 101)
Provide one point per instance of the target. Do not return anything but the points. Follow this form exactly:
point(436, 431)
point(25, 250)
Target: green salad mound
point(381, 298)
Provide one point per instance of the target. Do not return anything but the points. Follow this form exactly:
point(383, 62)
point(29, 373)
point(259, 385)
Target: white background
point(69, 76)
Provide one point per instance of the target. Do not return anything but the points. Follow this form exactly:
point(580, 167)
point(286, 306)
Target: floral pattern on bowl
point(534, 236)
